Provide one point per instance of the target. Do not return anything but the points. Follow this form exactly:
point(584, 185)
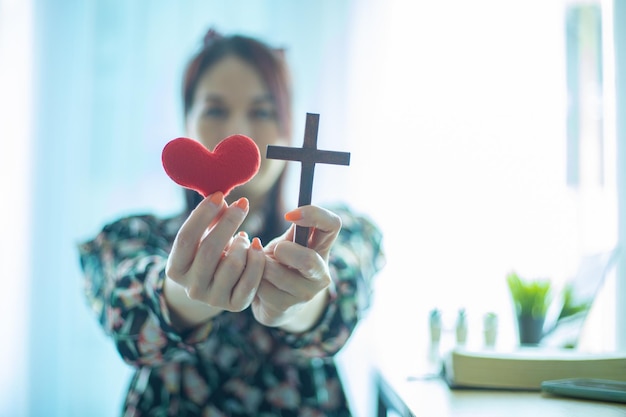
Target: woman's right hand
point(210, 270)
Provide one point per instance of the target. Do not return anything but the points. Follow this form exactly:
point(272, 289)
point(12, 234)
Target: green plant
point(570, 307)
point(531, 297)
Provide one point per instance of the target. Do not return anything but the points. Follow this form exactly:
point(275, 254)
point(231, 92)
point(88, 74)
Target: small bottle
point(490, 329)
point(435, 326)
point(461, 327)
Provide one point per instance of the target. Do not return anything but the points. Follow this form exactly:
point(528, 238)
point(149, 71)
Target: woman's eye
point(216, 112)
point(263, 114)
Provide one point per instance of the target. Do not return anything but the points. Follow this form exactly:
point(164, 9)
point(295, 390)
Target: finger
point(229, 222)
point(246, 287)
point(306, 261)
point(190, 234)
point(212, 246)
point(291, 282)
point(229, 269)
point(287, 236)
point(326, 226)
point(273, 299)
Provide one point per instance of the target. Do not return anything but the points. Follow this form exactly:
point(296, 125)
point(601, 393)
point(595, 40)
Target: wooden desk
point(432, 397)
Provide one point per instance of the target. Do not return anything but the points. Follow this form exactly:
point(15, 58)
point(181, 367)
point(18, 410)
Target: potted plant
point(531, 299)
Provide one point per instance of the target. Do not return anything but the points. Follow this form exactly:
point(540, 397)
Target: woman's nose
point(239, 124)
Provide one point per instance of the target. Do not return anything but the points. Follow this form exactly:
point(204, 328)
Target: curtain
point(16, 101)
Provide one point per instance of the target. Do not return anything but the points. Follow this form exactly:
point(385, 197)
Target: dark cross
point(309, 155)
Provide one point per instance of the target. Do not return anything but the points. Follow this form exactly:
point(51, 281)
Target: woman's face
point(231, 98)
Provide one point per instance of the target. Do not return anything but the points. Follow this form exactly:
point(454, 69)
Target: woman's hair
point(271, 66)
point(269, 63)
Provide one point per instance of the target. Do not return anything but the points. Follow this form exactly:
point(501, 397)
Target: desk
point(432, 397)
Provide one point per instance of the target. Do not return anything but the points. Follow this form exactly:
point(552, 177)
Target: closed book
point(527, 368)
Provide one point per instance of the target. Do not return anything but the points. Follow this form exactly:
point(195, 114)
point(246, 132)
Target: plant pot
point(530, 329)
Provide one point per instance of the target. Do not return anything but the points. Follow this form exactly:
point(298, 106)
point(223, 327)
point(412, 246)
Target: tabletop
point(431, 396)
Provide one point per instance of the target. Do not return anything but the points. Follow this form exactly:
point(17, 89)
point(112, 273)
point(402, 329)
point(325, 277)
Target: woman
point(214, 323)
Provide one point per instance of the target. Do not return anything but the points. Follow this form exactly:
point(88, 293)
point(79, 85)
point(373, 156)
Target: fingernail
point(256, 244)
point(293, 215)
point(243, 234)
point(217, 198)
point(242, 203)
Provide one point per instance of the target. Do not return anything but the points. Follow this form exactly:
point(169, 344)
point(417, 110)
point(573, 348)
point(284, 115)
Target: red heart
point(234, 161)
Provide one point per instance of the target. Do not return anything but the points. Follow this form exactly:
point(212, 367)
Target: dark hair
point(269, 63)
point(271, 66)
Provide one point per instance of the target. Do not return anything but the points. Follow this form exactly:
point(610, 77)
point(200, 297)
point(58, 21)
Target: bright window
point(459, 124)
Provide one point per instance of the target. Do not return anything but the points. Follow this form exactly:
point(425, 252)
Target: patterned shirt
point(231, 365)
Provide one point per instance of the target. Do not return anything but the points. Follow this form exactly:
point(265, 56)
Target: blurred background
point(484, 139)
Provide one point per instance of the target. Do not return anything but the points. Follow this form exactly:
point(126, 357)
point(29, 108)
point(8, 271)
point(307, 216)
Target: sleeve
point(355, 260)
point(124, 273)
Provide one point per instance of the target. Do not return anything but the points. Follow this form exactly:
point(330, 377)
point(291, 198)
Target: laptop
point(569, 310)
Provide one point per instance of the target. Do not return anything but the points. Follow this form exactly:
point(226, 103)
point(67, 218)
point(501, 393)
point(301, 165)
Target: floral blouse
point(230, 365)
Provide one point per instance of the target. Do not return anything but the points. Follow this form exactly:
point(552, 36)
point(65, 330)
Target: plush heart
point(234, 161)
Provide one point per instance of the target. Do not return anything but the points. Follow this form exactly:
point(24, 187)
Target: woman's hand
point(294, 290)
point(208, 269)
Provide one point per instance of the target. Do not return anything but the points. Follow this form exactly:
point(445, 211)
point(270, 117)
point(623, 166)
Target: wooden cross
point(309, 155)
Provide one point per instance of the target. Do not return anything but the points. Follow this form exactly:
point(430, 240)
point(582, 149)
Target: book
point(527, 368)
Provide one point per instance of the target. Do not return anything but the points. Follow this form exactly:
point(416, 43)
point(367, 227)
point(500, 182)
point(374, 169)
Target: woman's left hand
point(294, 288)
